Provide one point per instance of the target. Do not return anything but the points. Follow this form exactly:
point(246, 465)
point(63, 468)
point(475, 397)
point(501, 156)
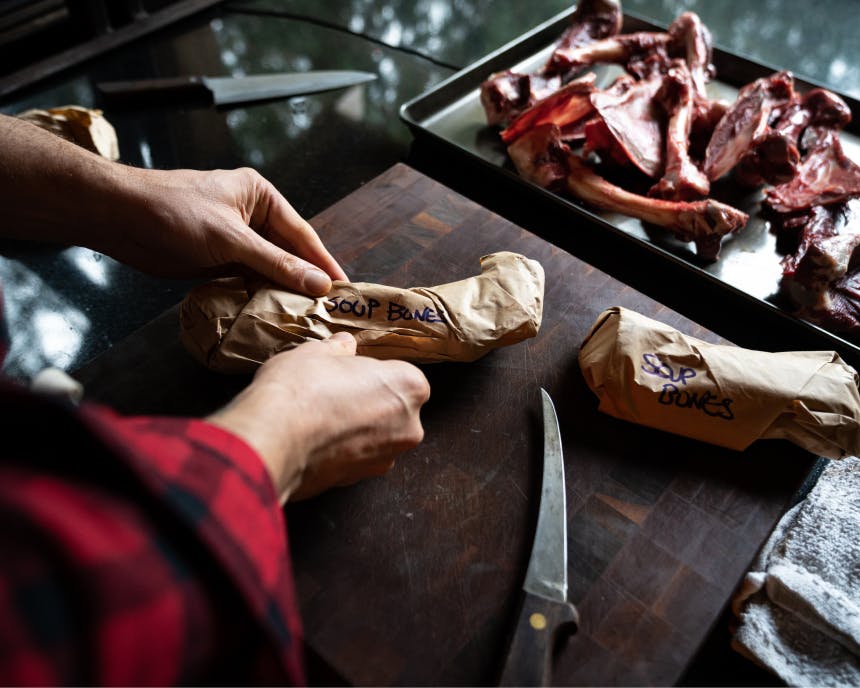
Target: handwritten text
point(674, 394)
point(392, 311)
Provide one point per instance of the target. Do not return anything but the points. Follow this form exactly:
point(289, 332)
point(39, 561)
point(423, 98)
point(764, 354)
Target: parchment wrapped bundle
point(83, 126)
point(649, 373)
point(231, 325)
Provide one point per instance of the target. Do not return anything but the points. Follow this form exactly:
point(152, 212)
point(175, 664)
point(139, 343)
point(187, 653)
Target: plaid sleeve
point(139, 551)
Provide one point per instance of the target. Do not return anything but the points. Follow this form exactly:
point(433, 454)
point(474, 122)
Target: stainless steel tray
point(451, 115)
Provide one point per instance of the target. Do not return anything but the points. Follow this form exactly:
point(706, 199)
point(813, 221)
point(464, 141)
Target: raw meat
point(506, 94)
point(692, 41)
point(636, 122)
point(774, 159)
point(592, 20)
point(825, 176)
point(540, 156)
point(826, 249)
point(702, 222)
point(840, 311)
point(565, 107)
point(628, 49)
point(822, 278)
point(746, 122)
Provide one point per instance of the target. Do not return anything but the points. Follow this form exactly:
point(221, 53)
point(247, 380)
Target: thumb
point(341, 343)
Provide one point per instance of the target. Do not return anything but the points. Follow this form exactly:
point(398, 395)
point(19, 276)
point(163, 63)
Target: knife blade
point(544, 610)
point(229, 90)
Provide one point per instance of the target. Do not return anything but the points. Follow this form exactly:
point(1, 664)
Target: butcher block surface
point(414, 578)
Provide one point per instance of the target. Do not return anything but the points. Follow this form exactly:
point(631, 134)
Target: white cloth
point(799, 605)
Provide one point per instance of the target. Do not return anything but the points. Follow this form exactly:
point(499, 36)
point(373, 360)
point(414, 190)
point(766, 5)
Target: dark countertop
point(66, 305)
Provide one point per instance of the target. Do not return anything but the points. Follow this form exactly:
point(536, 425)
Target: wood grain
point(414, 578)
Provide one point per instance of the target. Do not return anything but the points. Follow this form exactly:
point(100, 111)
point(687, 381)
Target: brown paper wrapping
point(649, 373)
point(83, 126)
point(231, 325)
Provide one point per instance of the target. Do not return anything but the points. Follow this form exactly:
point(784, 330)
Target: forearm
point(172, 223)
point(53, 190)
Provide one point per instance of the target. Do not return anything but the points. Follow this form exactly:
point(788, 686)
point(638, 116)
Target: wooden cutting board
point(414, 578)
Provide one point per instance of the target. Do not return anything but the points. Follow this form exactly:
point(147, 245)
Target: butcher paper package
point(233, 325)
point(86, 127)
point(649, 373)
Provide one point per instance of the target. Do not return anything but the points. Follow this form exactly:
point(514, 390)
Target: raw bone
point(822, 277)
point(691, 38)
point(542, 158)
point(774, 159)
point(635, 120)
point(702, 222)
point(827, 245)
point(746, 122)
point(592, 20)
point(687, 38)
point(682, 180)
point(565, 107)
point(825, 176)
point(506, 94)
point(625, 49)
point(632, 113)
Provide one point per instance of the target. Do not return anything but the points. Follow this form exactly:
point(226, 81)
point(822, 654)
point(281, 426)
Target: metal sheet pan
point(451, 115)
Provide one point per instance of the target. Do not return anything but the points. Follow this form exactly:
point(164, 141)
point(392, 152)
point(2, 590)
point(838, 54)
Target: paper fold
point(649, 373)
point(233, 325)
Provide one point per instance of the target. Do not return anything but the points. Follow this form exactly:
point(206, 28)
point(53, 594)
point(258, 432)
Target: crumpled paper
point(86, 127)
point(233, 325)
point(649, 373)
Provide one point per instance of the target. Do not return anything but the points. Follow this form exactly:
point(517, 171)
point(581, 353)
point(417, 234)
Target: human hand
point(320, 416)
point(172, 223)
point(181, 222)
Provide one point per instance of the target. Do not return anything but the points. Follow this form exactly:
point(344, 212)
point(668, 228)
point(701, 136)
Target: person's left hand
point(320, 416)
point(183, 222)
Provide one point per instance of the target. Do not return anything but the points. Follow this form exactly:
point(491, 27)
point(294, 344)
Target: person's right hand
point(320, 416)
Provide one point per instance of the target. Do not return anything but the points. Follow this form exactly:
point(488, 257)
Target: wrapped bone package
point(86, 127)
point(649, 373)
point(233, 325)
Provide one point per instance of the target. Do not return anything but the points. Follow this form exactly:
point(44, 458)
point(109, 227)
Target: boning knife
point(545, 609)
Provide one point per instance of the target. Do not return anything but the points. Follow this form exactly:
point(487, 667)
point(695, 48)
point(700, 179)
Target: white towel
point(799, 605)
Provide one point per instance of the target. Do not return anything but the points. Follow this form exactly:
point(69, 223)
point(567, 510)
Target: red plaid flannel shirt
point(138, 551)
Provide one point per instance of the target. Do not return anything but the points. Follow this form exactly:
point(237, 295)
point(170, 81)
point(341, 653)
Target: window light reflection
point(91, 264)
point(59, 339)
point(44, 329)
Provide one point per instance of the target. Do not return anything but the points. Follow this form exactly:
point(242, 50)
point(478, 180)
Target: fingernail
point(316, 282)
point(341, 337)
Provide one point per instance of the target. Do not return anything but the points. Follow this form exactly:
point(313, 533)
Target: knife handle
point(529, 658)
point(182, 89)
